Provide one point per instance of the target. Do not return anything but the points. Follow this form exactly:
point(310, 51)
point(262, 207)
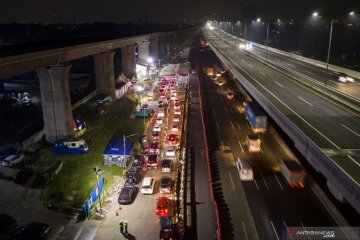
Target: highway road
point(331, 126)
point(143, 222)
point(274, 205)
point(302, 70)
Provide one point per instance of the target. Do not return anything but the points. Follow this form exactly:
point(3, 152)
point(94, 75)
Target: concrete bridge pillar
point(161, 47)
point(167, 49)
point(143, 50)
point(154, 50)
point(104, 73)
point(128, 61)
point(56, 102)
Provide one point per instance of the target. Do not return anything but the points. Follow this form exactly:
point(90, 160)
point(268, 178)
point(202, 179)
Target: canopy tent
point(114, 152)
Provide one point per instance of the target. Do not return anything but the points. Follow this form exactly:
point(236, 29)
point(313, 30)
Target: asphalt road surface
point(274, 205)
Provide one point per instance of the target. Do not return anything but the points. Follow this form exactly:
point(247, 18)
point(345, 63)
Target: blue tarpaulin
point(116, 147)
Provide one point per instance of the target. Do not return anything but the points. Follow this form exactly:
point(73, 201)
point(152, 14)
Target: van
point(147, 186)
point(245, 170)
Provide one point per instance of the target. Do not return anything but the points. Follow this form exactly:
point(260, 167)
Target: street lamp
point(124, 138)
point(97, 173)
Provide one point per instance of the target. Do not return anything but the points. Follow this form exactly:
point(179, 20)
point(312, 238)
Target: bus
point(245, 170)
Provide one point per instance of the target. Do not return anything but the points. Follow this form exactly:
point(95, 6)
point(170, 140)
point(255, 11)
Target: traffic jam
point(155, 166)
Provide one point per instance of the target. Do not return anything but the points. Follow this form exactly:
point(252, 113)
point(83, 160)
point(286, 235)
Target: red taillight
point(291, 185)
point(166, 211)
point(303, 172)
point(301, 184)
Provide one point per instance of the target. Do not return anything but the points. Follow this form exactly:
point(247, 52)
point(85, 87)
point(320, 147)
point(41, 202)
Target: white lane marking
point(222, 99)
point(226, 110)
point(276, 59)
point(308, 72)
point(222, 144)
point(264, 180)
point(241, 147)
point(244, 230)
point(232, 183)
point(305, 230)
point(251, 66)
point(256, 184)
point(277, 237)
point(248, 125)
point(290, 64)
point(219, 90)
point(238, 125)
point(262, 73)
point(279, 84)
point(278, 181)
point(305, 101)
point(217, 125)
point(350, 130)
point(232, 125)
point(287, 230)
point(242, 60)
point(354, 160)
point(230, 109)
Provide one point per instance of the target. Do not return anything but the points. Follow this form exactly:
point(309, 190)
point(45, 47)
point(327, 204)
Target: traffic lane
point(285, 82)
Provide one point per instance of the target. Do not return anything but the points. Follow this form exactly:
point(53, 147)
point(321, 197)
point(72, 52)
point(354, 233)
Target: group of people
point(123, 226)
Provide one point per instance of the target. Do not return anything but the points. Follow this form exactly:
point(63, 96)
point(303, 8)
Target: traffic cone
point(117, 213)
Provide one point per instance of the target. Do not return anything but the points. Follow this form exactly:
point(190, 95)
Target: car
point(166, 165)
point(230, 95)
point(159, 120)
point(157, 128)
point(139, 161)
point(127, 195)
point(163, 206)
point(172, 139)
point(244, 169)
point(12, 160)
point(34, 230)
point(177, 101)
point(165, 184)
point(155, 135)
point(176, 118)
point(170, 151)
point(223, 71)
point(161, 112)
point(152, 161)
point(173, 90)
point(23, 175)
point(173, 97)
point(133, 176)
point(220, 82)
point(342, 77)
point(177, 106)
point(174, 127)
point(147, 186)
point(161, 91)
point(7, 224)
point(6, 151)
point(154, 147)
point(177, 112)
point(214, 77)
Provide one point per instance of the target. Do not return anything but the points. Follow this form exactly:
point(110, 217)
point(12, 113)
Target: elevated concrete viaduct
point(53, 71)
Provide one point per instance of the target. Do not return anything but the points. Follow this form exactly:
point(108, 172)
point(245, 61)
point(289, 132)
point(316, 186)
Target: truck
point(70, 146)
point(256, 116)
point(253, 142)
point(210, 71)
point(293, 173)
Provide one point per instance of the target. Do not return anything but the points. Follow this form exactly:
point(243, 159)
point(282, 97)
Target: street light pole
point(329, 48)
point(97, 171)
point(267, 40)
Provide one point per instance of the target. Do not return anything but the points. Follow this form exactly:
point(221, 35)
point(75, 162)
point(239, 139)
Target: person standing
point(126, 226)
point(121, 226)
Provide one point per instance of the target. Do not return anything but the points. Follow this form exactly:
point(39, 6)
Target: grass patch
point(76, 179)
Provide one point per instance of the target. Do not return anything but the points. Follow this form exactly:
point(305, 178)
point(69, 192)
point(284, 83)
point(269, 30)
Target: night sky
point(167, 11)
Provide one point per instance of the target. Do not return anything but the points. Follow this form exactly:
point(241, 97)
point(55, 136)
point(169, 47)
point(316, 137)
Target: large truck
point(210, 71)
point(256, 116)
point(70, 146)
point(293, 173)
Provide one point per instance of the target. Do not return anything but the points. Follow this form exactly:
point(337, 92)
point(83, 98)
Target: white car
point(173, 97)
point(175, 127)
point(12, 160)
point(170, 151)
point(161, 113)
point(147, 186)
point(177, 112)
point(157, 128)
point(159, 120)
